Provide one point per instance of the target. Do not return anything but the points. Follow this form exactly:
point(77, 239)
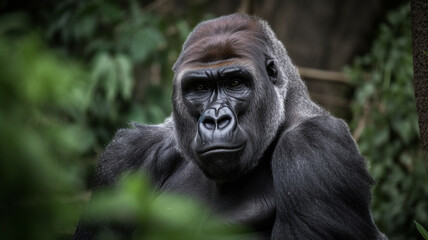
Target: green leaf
point(144, 42)
point(183, 29)
point(104, 74)
point(124, 71)
point(422, 230)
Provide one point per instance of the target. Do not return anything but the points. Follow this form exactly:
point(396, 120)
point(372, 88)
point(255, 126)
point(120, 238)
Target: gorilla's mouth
point(220, 148)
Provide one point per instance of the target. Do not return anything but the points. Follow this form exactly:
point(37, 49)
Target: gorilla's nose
point(221, 120)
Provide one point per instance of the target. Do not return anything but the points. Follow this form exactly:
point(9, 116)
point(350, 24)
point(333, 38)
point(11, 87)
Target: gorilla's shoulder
point(148, 147)
point(327, 141)
point(323, 133)
point(325, 124)
point(321, 125)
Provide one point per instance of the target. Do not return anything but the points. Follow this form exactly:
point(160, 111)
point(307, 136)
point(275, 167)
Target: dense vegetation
point(39, 174)
point(385, 124)
point(75, 72)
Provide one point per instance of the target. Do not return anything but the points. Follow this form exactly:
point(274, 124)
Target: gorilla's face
point(226, 107)
point(222, 116)
point(217, 97)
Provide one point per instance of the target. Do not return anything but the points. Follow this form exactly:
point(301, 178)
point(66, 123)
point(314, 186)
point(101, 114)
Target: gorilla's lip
point(220, 148)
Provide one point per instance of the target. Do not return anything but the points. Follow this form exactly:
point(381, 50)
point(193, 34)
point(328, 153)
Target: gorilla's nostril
point(214, 119)
point(223, 122)
point(209, 123)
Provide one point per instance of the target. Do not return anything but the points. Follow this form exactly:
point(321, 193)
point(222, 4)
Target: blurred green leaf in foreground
point(160, 217)
point(39, 140)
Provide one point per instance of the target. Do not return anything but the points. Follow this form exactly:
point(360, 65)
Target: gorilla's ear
point(271, 70)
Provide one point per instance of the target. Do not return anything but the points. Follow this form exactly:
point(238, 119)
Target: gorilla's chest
point(249, 201)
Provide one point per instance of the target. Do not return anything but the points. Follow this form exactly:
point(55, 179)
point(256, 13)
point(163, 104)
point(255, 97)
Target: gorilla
point(245, 139)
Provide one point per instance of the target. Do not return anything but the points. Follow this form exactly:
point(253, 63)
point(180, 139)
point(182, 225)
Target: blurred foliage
point(131, 53)
point(39, 137)
point(385, 124)
point(160, 217)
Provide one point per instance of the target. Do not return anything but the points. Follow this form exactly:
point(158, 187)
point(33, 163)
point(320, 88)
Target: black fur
point(251, 145)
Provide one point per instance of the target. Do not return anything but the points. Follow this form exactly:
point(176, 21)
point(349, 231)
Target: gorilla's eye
point(234, 83)
point(271, 68)
point(200, 87)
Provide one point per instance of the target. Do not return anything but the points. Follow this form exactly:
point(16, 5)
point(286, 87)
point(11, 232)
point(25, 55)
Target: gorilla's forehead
point(224, 67)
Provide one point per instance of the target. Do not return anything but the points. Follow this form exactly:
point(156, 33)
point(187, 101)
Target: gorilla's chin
point(222, 164)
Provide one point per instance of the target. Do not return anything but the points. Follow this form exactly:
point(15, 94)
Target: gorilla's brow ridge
point(245, 66)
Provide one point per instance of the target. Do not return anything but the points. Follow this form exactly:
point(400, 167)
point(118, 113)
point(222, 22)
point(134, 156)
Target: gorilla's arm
point(321, 183)
point(148, 147)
